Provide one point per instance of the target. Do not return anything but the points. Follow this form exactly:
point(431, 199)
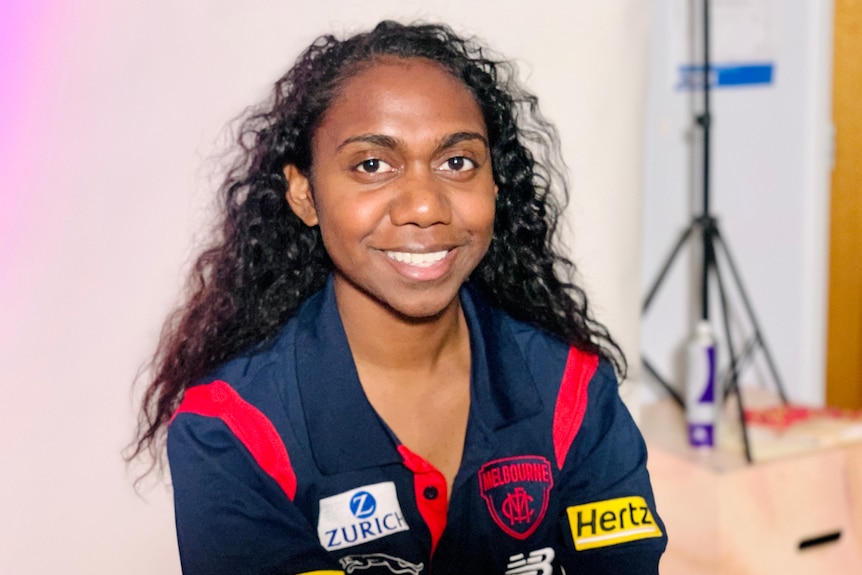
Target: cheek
point(346, 221)
point(338, 231)
point(482, 213)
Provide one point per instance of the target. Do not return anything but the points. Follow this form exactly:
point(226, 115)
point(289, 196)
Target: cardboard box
point(796, 511)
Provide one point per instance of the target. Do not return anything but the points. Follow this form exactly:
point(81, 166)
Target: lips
point(418, 259)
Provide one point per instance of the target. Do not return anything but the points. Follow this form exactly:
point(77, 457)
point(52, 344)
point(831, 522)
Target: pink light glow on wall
point(27, 32)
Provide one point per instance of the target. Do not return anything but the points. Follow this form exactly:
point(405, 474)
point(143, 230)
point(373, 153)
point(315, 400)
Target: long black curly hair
point(265, 261)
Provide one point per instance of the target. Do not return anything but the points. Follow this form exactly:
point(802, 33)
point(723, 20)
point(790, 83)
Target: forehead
point(402, 97)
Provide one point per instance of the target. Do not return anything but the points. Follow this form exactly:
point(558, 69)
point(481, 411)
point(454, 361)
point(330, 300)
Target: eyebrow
point(376, 139)
point(458, 137)
point(389, 142)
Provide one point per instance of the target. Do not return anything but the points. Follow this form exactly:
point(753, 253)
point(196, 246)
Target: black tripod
point(707, 226)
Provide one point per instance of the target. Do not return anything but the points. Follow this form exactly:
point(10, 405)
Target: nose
point(420, 199)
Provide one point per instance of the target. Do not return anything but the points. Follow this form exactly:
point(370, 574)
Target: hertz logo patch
point(611, 522)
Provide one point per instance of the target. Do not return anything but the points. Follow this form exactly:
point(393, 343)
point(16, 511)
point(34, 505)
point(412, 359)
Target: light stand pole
point(707, 226)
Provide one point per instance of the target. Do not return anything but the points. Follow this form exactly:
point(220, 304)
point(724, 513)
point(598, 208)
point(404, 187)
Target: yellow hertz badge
point(611, 522)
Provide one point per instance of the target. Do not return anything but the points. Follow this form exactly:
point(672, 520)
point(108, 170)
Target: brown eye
point(458, 164)
point(372, 166)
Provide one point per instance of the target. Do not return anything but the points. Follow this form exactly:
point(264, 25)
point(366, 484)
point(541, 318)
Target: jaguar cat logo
point(516, 490)
point(353, 563)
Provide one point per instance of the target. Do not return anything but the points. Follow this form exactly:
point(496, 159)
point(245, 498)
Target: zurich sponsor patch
point(516, 490)
point(360, 515)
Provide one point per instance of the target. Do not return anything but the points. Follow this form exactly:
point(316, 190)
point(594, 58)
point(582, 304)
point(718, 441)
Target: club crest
point(516, 490)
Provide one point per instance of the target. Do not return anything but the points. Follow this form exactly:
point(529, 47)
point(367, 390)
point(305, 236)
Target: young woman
point(384, 366)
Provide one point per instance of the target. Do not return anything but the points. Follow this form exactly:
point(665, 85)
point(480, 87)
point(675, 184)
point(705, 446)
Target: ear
point(299, 195)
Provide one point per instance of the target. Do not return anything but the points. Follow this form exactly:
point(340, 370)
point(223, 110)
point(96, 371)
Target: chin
point(422, 311)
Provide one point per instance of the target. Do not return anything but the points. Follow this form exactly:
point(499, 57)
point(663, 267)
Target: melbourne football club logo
point(516, 490)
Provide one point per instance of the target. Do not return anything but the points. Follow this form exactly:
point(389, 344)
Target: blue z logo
point(363, 505)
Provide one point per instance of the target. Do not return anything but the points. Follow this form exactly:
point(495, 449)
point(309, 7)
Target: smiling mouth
point(422, 260)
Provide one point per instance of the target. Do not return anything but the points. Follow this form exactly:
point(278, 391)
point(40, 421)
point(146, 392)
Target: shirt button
point(430, 492)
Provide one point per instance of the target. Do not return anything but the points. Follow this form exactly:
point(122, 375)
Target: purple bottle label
point(701, 435)
point(709, 391)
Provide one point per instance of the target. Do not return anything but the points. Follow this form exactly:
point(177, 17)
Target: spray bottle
point(700, 390)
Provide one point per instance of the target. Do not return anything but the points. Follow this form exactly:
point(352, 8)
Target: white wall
point(770, 190)
point(107, 130)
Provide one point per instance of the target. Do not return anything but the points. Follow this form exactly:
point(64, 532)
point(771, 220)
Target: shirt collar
point(344, 430)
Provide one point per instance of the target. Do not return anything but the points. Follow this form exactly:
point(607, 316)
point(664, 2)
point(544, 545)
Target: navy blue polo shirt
point(281, 465)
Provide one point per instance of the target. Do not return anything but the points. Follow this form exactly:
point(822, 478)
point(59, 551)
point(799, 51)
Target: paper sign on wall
point(742, 43)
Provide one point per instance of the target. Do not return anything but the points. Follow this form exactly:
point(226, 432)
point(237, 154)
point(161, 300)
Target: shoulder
point(234, 428)
point(609, 443)
point(246, 371)
point(252, 399)
point(556, 364)
point(243, 401)
point(579, 389)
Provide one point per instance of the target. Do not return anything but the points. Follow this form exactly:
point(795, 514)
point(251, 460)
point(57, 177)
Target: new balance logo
point(539, 562)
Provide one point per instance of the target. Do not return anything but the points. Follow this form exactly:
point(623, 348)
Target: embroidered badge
point(516, 490)
point(611, 522)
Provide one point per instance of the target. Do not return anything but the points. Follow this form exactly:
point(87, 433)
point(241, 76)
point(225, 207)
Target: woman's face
point(401, 186)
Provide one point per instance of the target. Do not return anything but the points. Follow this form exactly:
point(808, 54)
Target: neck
point(415, 374)
point(383, 338)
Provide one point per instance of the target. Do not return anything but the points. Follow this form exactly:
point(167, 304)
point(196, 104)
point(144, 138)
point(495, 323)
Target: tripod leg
point(651, 294)
point(667, 387)
point(733, 377)
point(745, 356)
point(750, 311)
point(667, 264)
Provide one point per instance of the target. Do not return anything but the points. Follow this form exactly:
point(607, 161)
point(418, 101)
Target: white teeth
point(423, 260)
